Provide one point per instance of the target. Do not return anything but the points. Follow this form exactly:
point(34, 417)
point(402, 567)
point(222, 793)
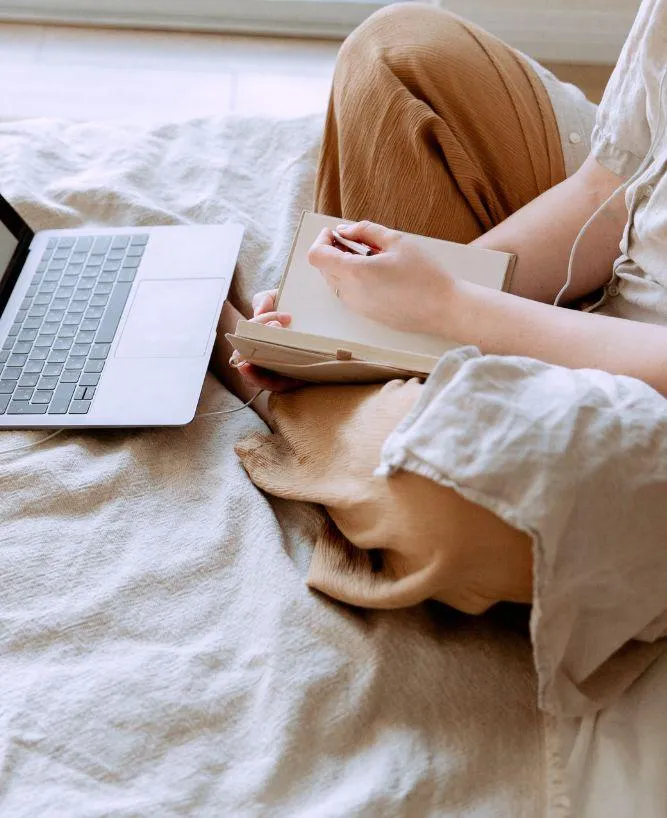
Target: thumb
point(369, 233)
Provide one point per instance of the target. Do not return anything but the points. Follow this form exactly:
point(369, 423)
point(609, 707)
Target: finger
point(280, 319)
point(264, 302)
point(264, 379)
point(328, 259)
point(369, 233)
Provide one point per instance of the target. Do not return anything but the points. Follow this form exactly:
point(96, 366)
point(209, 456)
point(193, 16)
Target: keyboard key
point(23, 393)
point(7, 387)
point(110, 266)
point(4, 355)
point(85, 337)
point(116, 254)
point(21, 315)
point(80, 393)
point(101, 244)
point(48, 382)
point(37, 312)
point(94, 366)
point(44, 341)
point(107, 277)
point(70, 376)
point(127, 275)
point(103, 289)
point(69, 280)
point(67, 331)
point(42, 397)
point(27, 380)
point(22, 347)
point(8, 343)
point(19, 360)
point(99, 300)
point(83, 244)
point(39, 354)
point(4, 402)
point(79, 407)
point(100, 351)
point(81, 295)
point(34, 366)
point(28, 335)
point(14, 330)
point(61, 253)
point(86, 284)
point(32, 323)
point(64, 292)
point(132, 262)
point(56, 266)
point(75, 363)
point(77, 307)
point(90, 323)
point(94, 312)
point(72, 319)
point(50, 244)
point(90, 392)
point(81, 350)
point(89, 272)
point(52, 368)
point(58, 356)
point(61, 398)
point(120, 241)
point(78, 257)
point(65, 242)
point(55, 315)
point(113, 312)
point(42, 299)
point(89, 379)
point(49, 328)
point(135, 251)
point(48, 287)
point(24, 408)
point(74, 270)
point(140, 239)
point(13, 373)
point(62, 343)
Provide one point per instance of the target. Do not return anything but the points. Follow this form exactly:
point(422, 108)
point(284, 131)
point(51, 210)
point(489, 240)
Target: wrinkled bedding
point(160, 653)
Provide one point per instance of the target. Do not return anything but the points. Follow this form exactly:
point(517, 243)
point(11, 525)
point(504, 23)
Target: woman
point(436, 127)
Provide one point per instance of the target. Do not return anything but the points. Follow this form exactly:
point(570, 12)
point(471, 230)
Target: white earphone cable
point(645, 163)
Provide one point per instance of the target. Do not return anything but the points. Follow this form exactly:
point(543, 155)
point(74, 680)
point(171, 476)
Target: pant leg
point(434, 127)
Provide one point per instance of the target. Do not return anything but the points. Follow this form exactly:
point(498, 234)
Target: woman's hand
point(401, 285)
point(264, 312)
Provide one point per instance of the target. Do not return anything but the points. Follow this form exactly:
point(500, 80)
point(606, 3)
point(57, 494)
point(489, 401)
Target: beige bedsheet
point(160, 654)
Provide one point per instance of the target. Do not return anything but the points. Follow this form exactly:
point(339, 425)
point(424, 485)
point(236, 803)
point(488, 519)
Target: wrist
point(447, 311)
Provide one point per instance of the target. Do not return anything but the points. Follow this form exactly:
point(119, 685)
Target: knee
point(404, 33)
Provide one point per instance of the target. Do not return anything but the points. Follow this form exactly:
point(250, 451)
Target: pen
point(354, 246)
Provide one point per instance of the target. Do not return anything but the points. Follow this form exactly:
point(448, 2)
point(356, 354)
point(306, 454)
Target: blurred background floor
point(143, 76)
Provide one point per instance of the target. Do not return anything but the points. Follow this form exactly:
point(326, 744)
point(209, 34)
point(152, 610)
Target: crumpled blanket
point(160, 652)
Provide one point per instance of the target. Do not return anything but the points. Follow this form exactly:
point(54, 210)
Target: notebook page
point(316, 309)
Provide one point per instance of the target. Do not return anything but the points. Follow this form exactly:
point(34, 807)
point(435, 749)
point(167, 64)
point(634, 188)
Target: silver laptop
point(108, 327)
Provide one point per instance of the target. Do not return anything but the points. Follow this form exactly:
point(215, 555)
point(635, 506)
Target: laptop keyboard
point(54, 355)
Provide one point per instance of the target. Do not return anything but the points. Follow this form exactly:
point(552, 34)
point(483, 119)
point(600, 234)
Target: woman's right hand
point(264, 312)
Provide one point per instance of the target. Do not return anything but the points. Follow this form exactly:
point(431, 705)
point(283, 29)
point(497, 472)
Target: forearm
point(541, 234)
point(504, 324)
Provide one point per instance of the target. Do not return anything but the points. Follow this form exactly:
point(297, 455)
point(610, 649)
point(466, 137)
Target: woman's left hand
point(401, 285)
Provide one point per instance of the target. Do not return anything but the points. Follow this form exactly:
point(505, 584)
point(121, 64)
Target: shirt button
point(575, 138)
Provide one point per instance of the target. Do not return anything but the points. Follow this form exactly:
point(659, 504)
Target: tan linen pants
point(434, 127)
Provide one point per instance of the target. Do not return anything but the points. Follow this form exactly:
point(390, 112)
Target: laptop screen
point(15, 238)
point(8, 244)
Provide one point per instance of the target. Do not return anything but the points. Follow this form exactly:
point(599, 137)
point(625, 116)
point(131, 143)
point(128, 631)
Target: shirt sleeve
point(622, 134)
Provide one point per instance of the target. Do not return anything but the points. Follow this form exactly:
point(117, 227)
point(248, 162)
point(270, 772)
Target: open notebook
point(328, 342)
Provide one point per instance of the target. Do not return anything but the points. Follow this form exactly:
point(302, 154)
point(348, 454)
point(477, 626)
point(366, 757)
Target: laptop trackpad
point(171, 319)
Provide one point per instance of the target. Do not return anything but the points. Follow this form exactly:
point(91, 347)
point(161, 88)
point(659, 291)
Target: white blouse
point(631, 124)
